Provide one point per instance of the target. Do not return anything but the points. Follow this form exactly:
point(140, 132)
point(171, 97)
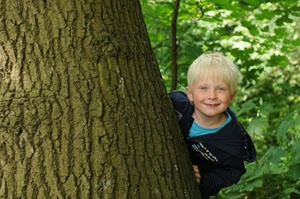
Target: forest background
point(262, 38)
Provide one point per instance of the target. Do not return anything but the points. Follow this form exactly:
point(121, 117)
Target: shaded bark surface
point(83, 109)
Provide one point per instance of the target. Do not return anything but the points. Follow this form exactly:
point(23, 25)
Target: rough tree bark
point(83, 109)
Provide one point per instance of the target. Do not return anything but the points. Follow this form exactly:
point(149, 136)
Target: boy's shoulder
point(181, 103)
point(178, 96)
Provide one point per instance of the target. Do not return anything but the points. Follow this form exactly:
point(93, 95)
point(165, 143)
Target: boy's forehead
point(211, 80)
point(211, 77)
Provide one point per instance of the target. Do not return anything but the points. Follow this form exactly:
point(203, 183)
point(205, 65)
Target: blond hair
point(216, 66)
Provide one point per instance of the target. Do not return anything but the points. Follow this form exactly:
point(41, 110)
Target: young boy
point(217, 142)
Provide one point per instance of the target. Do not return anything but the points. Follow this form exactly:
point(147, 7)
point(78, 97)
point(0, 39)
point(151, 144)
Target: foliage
point(262, 37)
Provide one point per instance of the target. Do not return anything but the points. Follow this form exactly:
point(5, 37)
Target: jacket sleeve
point(249, 152)
point(213, 181)
point(183, 109)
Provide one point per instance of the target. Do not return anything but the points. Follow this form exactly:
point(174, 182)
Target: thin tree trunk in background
point(83, 109)
point(174, 45)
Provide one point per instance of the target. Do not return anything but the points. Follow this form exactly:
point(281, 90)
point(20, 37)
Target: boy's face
point(211, 97)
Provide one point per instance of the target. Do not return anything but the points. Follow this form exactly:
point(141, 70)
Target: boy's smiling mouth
point(212, 105)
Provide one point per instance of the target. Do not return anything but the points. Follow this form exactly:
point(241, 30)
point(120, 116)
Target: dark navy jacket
point(220, 156)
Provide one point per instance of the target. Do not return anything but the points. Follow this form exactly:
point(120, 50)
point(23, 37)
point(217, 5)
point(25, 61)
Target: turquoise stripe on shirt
point(197, 130)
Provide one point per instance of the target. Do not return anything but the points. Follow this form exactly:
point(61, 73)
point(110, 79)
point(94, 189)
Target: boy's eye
point(221, 89)
point(203, 88)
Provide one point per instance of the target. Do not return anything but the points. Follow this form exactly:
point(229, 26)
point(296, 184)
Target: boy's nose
point(212, 94)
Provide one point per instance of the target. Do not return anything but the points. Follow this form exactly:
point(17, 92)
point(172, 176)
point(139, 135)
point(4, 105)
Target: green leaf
point(288, 191)
point(251, 185)
point(280, 32)
point(294, 171)
point(257, 126)
point(247, 106)
point(284, 19)
point(255, 3)
point(265, 14)
point(279, 60)
point(271, 161)
point(296, 42)
point(221, 2)
point(296, 152)
point(266, 109)
point(283, 129)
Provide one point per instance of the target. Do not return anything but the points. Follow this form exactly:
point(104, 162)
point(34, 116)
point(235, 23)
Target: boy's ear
point(233, 96)
point(189, 93)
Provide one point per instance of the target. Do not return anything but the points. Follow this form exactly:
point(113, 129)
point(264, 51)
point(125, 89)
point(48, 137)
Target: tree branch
point(174, 45)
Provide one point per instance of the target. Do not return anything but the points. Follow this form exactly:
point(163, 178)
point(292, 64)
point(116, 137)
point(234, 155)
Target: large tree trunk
point(83, 109)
